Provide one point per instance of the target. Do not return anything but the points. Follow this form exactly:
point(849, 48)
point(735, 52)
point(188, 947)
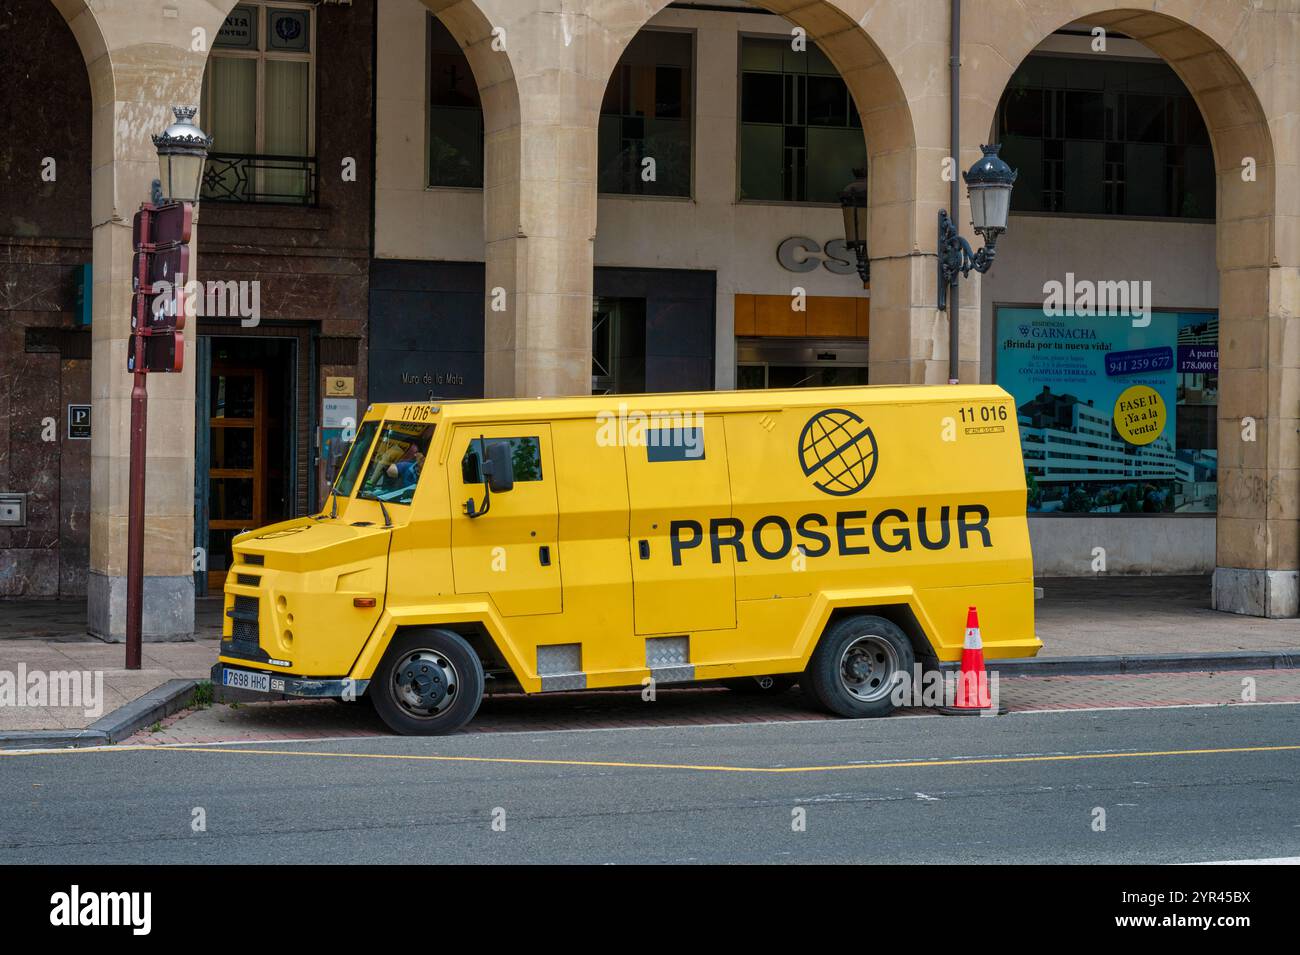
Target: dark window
point(674, 443)
point(525, 457)
point(258, 103)
point(455, 113)
point(800, 134)
point(1105, 137)
point(645, 119)
point(617, 345)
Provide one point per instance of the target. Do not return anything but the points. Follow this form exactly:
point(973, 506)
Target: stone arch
point(134, 78)
point(1217, 51)
point(845, 31)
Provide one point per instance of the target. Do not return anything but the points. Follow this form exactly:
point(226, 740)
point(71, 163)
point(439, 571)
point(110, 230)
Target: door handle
point(544, 555)
point(643, 549)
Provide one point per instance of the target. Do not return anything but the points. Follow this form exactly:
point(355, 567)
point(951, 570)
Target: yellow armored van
point(834, 537)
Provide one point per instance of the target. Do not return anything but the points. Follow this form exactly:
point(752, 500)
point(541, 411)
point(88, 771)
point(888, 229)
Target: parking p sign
point(79, 422)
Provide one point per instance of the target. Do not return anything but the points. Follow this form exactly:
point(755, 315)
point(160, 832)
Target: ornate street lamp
point(160, 232)
point(853, 202)
point(182, 153)
point(989, 185)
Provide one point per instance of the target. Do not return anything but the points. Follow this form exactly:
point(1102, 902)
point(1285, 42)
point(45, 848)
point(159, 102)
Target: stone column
point(541, 106)
point(1258, 249)
point(141, 62)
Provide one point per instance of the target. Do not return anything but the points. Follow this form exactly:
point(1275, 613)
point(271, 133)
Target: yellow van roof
point(585, 406)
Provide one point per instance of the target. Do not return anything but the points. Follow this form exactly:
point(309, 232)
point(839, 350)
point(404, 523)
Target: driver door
point(512, 552)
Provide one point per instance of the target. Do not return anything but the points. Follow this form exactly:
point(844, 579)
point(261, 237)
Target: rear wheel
point(430, 682)
point(856, 665)
point(761, 685)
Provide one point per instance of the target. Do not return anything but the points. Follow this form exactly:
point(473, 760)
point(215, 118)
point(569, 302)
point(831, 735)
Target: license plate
point(243, 680)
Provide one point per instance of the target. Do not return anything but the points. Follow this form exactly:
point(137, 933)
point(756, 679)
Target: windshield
point(395, 466)
point(356, 457)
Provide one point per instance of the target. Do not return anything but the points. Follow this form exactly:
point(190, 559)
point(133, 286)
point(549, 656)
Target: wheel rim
point(425, 683)
point(867, 668)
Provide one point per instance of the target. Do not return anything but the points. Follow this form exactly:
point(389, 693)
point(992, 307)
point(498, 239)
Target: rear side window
point(674, 444)
point(525, 456)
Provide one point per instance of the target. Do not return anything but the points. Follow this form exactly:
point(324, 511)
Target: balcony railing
point(275, 180)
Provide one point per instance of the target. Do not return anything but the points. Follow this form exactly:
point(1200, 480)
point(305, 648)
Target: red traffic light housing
point(161, 236)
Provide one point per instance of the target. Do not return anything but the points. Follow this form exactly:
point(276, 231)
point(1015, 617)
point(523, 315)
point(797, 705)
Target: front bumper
point(287, 684)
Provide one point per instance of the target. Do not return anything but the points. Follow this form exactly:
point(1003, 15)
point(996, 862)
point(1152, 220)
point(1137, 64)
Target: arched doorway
point(45, 255)
point(738, 240)
point(1255, 540)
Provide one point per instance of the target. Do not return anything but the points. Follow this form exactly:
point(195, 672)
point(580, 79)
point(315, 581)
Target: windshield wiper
point(334, 508)
point(388, 522)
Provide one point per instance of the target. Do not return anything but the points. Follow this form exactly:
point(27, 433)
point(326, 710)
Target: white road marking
point(1283, 860)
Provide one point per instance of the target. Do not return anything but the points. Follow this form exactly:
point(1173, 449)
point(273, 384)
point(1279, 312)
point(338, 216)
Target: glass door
point(800, 362)
point(236, 461)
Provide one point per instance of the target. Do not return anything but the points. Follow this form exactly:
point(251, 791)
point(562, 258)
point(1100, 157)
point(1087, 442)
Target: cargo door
point(677, 485)
point(511, 552)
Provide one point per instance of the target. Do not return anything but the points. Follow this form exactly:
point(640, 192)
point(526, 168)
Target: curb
point(113, 727)
point(1146, 663)
point(175, 695)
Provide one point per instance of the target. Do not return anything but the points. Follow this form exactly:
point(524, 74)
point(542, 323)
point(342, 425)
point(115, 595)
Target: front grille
point(248, 580)
point(258, 559)
point(244, 625)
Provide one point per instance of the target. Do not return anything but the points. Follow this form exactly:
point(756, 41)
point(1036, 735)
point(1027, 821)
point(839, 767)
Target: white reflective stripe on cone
point(973, 641)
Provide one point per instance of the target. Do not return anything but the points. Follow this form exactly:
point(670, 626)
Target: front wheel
point(856, 666)
point(429, 682)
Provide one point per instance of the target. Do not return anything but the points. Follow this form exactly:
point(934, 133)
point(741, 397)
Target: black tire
point(417, 664)
point(762, 685)
point(852, 671)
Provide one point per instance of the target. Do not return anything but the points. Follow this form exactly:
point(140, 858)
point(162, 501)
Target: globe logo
point(838, 452)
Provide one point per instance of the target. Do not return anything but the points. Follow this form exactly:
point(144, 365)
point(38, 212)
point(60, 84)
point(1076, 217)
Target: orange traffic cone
point(972, 697)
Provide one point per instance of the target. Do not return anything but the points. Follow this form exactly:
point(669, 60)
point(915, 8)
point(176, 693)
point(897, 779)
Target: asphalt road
point(1019, 788)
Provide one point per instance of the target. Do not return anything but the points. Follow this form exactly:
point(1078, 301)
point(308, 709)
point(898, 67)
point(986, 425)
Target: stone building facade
point(541, 71)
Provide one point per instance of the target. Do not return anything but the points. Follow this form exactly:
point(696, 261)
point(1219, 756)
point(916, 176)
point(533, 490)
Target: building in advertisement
point(456, 198)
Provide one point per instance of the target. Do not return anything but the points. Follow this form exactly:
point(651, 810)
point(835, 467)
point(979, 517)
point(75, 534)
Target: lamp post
point(853, 203)
point(988, 183)
point(161, 236)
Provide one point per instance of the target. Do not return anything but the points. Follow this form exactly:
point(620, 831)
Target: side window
point(525, 455)
point(674, 444)
point(356, 456)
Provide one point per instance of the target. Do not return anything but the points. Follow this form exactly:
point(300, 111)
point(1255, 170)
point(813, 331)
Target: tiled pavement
point(253, 722)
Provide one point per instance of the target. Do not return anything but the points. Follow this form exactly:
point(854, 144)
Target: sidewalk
point(1091, 616)
point(50, 635)
point(1077, 617)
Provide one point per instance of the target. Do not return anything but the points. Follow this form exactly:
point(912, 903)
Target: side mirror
point(496, 471)
point(500, 468)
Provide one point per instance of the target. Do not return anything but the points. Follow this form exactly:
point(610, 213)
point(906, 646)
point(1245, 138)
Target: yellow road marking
point(619, 764)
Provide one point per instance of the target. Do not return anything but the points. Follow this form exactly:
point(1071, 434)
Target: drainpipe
point(954, 192)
